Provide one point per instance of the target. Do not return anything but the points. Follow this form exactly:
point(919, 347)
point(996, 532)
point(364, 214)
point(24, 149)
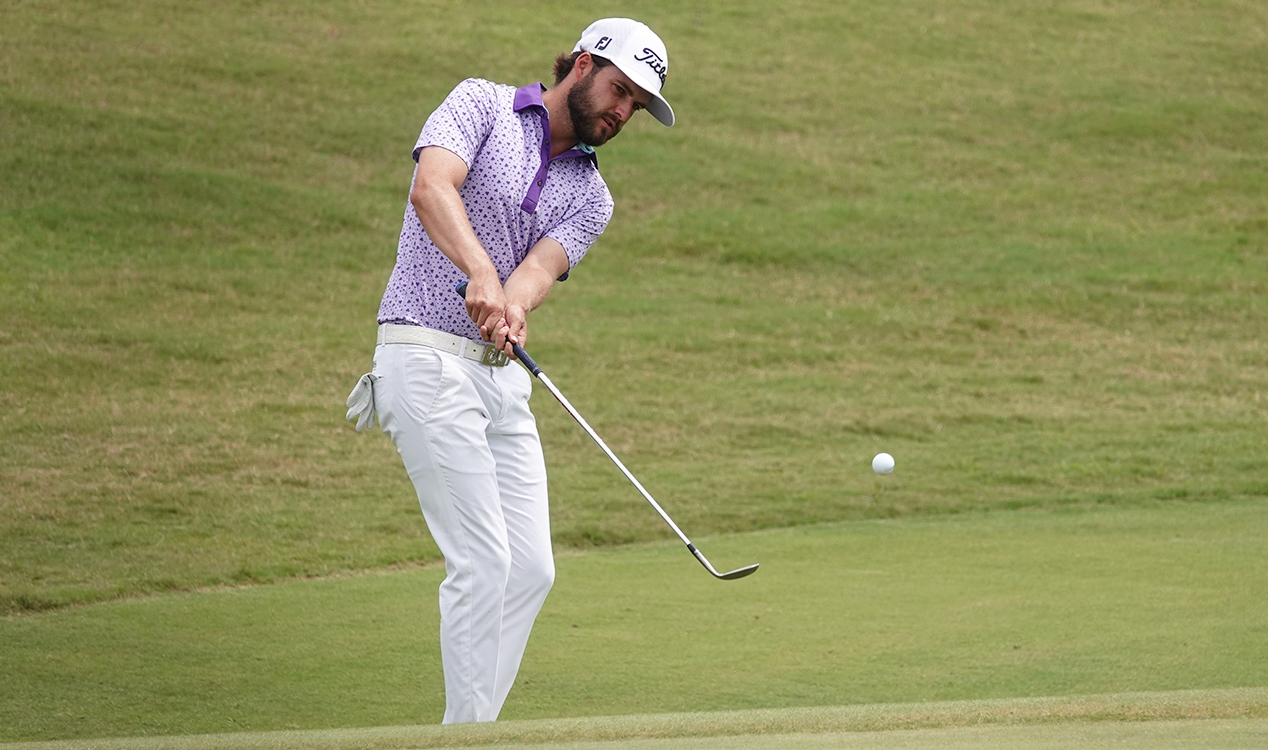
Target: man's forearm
point(528, 287)
point(532, 281)
point(444, 217)
point(439, 206)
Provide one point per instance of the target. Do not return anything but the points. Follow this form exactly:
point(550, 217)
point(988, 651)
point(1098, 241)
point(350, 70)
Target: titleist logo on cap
point(654, 62)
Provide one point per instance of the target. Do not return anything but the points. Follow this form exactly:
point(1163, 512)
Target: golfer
point(506, 196)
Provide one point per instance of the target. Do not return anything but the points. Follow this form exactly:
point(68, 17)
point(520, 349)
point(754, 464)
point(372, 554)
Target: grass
point(1144, 720)
point(1021, 248)
point(994, 606)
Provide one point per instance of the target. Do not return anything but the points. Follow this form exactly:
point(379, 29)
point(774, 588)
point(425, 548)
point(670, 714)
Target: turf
point(1021, 247)
point(1191, 719)
point(989, 606)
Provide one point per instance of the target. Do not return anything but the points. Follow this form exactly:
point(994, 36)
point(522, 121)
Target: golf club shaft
point(523, 357)
point(532, 366)
point(536, 370)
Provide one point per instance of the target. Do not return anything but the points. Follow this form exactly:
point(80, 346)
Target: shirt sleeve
point(583, 225)
point(462, 122)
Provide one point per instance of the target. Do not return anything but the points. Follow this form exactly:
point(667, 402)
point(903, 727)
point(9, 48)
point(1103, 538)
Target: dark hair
point(564, 63)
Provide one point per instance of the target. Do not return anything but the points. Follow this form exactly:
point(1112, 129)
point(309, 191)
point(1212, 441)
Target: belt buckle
point(494, 357)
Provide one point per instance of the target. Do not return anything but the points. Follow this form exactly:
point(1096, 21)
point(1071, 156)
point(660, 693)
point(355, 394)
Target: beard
point(585, 114)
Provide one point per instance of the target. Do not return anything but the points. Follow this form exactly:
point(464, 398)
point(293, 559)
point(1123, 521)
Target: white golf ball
point(883, 463)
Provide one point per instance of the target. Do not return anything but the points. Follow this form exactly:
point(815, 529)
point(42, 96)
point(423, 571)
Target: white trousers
point(471, 447)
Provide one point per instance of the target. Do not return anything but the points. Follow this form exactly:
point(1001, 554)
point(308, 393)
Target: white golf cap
point(639, 54)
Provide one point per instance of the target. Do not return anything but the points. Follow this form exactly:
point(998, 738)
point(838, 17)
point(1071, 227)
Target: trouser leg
point(521, 473)
point(471, 448)
point(434, 414)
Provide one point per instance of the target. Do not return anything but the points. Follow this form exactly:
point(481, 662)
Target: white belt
point(485, 354)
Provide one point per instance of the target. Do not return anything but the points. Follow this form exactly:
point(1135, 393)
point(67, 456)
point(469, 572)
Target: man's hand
point(526, 289)
point(486, 305)
point(513, 328)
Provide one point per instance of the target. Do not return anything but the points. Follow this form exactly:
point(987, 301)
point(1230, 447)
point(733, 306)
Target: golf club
point(523, 357)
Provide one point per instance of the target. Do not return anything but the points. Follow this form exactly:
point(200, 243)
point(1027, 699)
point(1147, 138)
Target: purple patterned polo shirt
point(515, 195)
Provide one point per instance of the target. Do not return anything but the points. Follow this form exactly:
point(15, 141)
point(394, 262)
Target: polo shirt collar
point(530, 96)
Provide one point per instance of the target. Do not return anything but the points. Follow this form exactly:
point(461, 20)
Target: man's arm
point(527, 288)
point(439, 207)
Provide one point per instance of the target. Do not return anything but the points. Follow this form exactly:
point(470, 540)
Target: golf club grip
point(520, 354)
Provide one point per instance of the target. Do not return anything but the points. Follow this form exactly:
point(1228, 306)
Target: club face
point(739, 572)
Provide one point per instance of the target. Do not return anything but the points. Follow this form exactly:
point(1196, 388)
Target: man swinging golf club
point(506, 196)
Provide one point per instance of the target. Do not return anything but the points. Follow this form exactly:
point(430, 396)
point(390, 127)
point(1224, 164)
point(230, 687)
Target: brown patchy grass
point(1021, 248)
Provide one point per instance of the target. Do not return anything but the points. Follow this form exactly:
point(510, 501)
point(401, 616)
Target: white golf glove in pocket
point(361, 401)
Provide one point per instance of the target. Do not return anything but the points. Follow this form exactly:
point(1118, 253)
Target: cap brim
point(660, 109)
point(657, 107)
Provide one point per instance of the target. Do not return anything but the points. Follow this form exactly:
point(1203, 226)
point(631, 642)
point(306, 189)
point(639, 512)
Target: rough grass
point(1022, 248)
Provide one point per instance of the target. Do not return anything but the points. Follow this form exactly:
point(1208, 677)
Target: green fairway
point(1195, 720)
point(980, 606)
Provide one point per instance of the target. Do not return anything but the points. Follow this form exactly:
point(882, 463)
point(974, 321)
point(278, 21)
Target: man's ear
point(583, 65)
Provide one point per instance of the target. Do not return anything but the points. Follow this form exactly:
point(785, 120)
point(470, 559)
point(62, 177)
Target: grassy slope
point(1022, 249)
point(979, 606)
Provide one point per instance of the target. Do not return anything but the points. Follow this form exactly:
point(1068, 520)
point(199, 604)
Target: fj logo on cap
point(603, 43)
point(654, 62)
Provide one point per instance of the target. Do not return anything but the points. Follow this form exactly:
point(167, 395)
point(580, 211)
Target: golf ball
point(883, 463)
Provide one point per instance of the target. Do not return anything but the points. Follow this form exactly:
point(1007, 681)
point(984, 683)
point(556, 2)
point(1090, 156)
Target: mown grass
point(1149, 721)
point(1158, 598)
point(1021, 248)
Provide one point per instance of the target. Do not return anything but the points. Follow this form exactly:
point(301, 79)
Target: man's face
point(602, 102)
